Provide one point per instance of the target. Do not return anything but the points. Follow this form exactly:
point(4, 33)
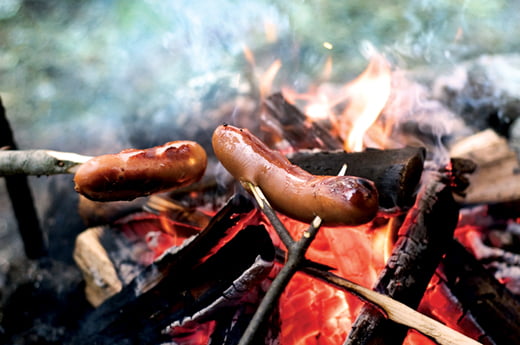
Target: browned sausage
point(133, 173)
point(291, 190)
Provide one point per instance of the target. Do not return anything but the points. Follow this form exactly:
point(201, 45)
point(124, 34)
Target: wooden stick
point(265, 206)
point(296, 255)
point(39, 162)
point(396, 311)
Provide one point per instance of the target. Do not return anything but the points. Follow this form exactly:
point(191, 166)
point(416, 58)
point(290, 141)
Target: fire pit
point(222, 259)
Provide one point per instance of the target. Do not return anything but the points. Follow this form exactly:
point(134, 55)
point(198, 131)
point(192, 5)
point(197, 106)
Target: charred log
point(293, 125)
point(182, 283)
point(396, 173)
point(21, 199)
point(422, 241)
point(489, 302)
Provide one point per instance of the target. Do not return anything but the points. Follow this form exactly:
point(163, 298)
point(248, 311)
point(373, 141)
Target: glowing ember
point(313, 312)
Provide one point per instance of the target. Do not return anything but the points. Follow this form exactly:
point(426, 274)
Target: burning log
point(422, 240)
point(21, 199)
point(186, 285)
point(491, 303)
point(396, 172)
point(295, 127)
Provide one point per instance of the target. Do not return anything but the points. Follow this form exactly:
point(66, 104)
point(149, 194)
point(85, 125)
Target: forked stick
point(296, 255)
point(394, 310)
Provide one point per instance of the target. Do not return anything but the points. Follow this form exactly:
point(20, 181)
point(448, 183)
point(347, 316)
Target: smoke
point(415, 118)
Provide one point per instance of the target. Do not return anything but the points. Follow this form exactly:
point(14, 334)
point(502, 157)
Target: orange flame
point(367, 95)
point(267, 78)
point(271, 32)
point(264, 78)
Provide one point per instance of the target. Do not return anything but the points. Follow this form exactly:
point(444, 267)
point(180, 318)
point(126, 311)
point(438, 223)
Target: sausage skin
point(338, 200)
point(133, 173)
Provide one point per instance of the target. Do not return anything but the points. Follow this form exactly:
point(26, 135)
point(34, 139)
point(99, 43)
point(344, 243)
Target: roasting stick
point(394, 310)
point(296, 255)
point(39, 162)
point(265, 206)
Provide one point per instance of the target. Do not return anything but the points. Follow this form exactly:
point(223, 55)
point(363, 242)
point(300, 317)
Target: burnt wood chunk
point(422, 240)
point(185, 283)
point(295, 127)
point(21, 199)
point(493, 306)
point(395, 172)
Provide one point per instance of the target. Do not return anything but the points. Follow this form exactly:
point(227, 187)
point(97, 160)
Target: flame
point(271, 31)
point(267, 78)
point(367, 96)
point(249, 56)
point(264, 78)
point(327, 69)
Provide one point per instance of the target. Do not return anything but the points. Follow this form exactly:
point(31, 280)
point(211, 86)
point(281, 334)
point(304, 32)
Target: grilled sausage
point(338, 200)
point(133, 173)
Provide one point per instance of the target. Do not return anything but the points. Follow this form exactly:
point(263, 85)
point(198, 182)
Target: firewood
point(21, 199)
point(101, 280)
point(496, 177)
point(395, 172)
point(489, 302)
point(183, 283)
point(294, 126)
point(422, 240)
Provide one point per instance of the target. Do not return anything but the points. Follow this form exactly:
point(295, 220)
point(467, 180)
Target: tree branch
point(39, 162)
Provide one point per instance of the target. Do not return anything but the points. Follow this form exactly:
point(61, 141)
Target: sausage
point(338, 200)
point(133, 173)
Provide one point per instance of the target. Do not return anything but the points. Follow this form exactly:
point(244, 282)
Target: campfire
point(242, 249)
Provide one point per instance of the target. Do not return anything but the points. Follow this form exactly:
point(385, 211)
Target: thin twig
point(39, 162)
point(295, 257)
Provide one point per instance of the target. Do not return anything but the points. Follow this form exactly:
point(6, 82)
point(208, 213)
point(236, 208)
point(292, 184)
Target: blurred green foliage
point(61, 61)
